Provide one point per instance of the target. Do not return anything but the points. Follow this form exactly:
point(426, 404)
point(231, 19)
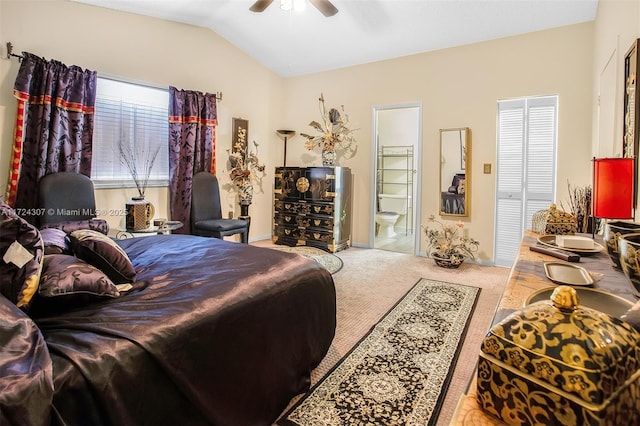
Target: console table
point(165, 229)
point(526, 277)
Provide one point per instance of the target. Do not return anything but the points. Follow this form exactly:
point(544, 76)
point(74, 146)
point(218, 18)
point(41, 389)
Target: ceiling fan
point(324, 6)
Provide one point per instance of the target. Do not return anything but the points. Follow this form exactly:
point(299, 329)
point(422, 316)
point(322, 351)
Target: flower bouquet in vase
point(448, 246)
point(334, 134)
point(245, 171)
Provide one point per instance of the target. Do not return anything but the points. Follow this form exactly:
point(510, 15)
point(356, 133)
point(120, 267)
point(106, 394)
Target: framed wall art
point(239, 135)
point(631, 117)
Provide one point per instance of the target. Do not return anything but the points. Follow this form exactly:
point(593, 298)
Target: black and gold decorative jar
point(554, 221)
point(558, 363)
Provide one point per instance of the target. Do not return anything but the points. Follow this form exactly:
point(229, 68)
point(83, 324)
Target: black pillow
point(72, 280)
point(102, 252)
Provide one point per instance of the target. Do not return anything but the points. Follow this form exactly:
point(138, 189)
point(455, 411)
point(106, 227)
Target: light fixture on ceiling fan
point(292, 4)
point(324, 6)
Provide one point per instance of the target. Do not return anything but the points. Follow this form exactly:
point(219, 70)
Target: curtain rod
point(10, 52)
point(20, 58)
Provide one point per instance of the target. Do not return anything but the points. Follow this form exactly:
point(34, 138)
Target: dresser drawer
point(291, 207)
point(301, 207)
point(303, 234)
point(306, 221)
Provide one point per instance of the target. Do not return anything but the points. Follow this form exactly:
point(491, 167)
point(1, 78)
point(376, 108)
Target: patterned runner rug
point(399, 372)
point(330, 261)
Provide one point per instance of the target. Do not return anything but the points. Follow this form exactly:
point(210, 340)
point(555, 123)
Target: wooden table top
point(526, 277)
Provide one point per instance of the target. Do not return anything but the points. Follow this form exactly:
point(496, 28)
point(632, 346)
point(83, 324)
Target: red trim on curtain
point(59, 102)
point(202, 121)
point(16, 155)
point(192, 119)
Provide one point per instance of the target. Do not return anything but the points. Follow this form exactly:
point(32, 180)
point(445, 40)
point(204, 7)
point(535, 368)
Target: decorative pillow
point(55, 241)
point(65, 276)
point(74, 225)
point(21, 253)
point(103, 253)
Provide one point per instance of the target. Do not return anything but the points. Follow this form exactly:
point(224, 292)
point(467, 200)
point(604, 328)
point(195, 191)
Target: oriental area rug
point(331, 262)
point(399, 372)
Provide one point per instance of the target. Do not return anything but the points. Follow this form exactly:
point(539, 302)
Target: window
point(526, 169)
point(135, 116)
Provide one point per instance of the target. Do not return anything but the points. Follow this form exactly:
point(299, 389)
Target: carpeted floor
point(372, 281)
point(399, 372)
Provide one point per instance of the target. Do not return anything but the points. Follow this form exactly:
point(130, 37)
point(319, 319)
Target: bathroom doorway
point(396, 179)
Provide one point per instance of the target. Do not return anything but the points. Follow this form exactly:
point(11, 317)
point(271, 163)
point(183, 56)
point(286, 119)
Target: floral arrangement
point(245, 167)
point(447, 241)
point(334, 131)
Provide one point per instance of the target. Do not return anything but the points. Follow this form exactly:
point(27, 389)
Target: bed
point(211, 332)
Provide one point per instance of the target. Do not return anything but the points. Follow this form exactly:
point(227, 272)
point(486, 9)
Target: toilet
point(391, 207)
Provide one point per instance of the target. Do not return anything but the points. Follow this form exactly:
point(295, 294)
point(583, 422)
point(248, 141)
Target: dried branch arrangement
point(139, 162)
point(580, 205)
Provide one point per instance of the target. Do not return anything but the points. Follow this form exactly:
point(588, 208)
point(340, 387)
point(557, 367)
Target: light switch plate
point(487, 168)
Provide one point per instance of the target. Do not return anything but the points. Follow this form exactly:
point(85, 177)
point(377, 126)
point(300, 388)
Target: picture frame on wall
point(631, 116)
point(239, 135)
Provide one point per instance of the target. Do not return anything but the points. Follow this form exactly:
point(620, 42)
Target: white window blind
point(137, 117)
point(526, 165)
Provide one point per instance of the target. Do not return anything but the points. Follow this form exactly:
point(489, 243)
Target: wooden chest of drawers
point(312, 206)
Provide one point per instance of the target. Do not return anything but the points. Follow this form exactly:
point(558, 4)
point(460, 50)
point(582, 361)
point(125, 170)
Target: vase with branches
point(579, 205)
point(139, 161)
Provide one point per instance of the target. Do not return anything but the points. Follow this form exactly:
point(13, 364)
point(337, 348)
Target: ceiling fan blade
point(325, 7)
point(260, 5)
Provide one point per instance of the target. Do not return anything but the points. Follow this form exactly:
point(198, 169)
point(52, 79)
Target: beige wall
point(152, 51)
point(457, 87)
point(617, 26)
point(460, 87)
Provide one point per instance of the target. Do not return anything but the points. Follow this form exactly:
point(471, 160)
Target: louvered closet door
point(526, 163)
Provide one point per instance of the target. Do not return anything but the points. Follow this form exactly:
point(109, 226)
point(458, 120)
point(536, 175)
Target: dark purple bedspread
point(215, 332)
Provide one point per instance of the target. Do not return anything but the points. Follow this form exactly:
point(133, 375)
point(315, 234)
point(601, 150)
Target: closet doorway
point(396, 179)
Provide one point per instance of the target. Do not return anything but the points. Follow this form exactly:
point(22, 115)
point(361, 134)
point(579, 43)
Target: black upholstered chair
point(206, 212)
point(67, 199)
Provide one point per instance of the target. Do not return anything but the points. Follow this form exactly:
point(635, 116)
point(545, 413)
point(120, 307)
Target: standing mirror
point(455, 171)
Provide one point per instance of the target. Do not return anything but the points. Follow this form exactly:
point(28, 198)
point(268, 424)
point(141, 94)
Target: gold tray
point(550, 241)
point(566, 273)
point(593, 298)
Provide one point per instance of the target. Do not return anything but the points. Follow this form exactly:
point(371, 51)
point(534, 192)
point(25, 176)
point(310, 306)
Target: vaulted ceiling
point(299, 42)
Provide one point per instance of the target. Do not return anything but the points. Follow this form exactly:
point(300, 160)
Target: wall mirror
point(455, 171)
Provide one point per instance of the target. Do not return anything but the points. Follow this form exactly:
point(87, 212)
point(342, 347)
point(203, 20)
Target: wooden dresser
point(312, 207)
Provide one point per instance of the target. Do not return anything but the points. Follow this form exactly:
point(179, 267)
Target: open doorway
point(395, 204)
